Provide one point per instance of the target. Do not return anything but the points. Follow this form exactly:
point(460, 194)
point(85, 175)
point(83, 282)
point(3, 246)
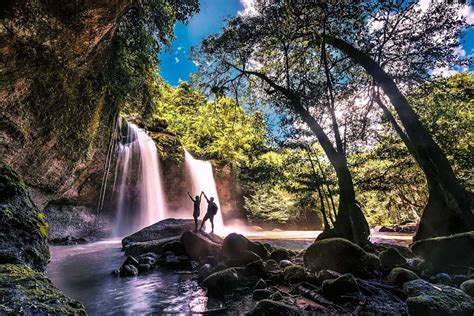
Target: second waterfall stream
point(202, 179)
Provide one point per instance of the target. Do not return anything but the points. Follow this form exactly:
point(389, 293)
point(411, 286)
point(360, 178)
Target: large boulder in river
point(342, 256)
point(235, 244)
point(166, 228)
point(23, 229)
point(200, 245)
point(446, 252)
point(153, 246)
point(428, 299)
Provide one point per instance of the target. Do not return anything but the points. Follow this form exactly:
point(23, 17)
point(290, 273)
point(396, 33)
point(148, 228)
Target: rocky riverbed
point(335, 276)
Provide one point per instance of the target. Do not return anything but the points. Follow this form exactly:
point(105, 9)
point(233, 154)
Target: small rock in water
point(223, 282)
point(256, 268)
point(400, 276)
point(205, 271)
point(468, 287)
point(130, 261)
point(147, 260)
point(344, 285)
point(261, 284)
point(285, 263)
point(128, 270)
point(144, 267)
point(261, 294)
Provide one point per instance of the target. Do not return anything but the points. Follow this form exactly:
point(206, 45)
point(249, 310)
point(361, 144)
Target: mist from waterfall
point(139, 168)
point(202, 179)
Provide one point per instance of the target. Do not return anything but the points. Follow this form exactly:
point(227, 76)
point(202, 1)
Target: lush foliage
point(213, 129)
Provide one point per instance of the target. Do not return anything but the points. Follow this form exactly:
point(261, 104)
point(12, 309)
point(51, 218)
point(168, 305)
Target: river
point(84, 273)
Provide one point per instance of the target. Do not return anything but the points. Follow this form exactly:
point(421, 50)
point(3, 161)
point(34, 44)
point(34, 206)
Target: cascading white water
point(202, 179)
point(132, 213)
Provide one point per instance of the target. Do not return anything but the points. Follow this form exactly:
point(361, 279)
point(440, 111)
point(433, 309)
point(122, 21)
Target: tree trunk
point(450, 207)
point(350, 221)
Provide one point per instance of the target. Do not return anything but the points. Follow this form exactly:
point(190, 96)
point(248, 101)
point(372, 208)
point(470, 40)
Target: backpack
point(213, 208)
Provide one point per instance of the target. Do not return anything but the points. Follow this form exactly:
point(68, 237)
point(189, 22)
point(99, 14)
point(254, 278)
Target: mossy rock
point(390, 258)
point(342, 256)
point(23, 229)
point(468, 287)
point(294, 274)
point(269, 307)
point(28, 292)
point(445, 253)
point(346, 284)
point(428, 299)
point(400, 276)
point(223, 282)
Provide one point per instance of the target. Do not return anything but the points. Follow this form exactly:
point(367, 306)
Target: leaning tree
point(398, 46)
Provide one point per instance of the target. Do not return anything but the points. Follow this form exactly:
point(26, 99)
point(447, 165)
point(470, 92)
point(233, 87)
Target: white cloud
point(180, 48)
point(176, 60)
point(196, 63)
point(249, 8)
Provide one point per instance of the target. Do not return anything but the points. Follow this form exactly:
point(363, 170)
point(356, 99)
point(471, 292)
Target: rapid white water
point(149, 207)
point(202, 179)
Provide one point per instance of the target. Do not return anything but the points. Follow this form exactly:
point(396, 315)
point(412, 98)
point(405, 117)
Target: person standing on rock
point(197, 209)
point(211, 211)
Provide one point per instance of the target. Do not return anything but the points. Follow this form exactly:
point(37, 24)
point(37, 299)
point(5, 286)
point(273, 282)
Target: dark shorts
point(196, 212)
point(209, 216)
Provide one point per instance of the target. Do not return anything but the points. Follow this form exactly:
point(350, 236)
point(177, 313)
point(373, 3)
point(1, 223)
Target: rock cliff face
point(54, 111)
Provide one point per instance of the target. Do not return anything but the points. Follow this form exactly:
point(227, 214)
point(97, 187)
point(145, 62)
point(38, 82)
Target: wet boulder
point(468, 287)
point(441, 278)
point(153, 246)
point(279, 254)
point(271, 265)
point(400, 276)
point(235, 244)
point(342, 256)
point(128, 270)
point(294, 274)
point(344, 285)
point(269, 307)
point(23, 229)
point(167, 228)
point(199, 245)
point(224, 281)
point(428, 299)
point(175, 246)
point(391, 258)
point(285, 263)
point(447, 252)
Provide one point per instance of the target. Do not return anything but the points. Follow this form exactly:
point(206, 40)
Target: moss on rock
point(28, 292)
point(23, 230)
point(342, 256)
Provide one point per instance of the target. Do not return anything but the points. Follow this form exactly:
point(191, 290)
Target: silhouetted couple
point(211, 210)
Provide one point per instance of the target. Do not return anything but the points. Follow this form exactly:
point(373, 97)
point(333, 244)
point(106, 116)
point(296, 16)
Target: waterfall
point(202, 179)
point(140, 169)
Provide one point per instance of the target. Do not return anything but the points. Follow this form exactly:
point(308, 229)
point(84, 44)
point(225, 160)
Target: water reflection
point(83, 272)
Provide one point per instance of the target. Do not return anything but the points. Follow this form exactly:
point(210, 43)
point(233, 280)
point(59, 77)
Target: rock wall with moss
point(55, 114)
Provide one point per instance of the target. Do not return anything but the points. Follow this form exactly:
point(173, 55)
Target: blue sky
point(176, 65)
